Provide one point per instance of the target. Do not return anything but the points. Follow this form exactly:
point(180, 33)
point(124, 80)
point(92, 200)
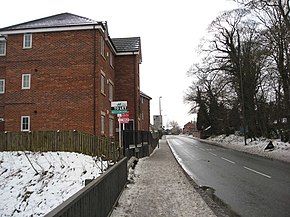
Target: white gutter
point(54, 29)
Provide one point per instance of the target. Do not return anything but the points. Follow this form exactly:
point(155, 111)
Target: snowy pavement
point(160, 188)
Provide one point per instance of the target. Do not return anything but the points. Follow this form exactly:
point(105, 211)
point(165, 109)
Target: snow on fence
point(98, 197)
point(70, 141)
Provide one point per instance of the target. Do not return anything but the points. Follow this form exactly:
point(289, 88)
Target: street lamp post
point(160, 115)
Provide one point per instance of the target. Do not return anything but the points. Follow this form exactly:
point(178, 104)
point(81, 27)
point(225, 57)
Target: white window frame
point(111, 127)
point(2, 87)
point(27, 41)
point(24, 87)
point(102, 123)
point(111, 91)
point(3, 49)
point(103, 81)
point(22, 123)
point(111, 58)
point(102, 46)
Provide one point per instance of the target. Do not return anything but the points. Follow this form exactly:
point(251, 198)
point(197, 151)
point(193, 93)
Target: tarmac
point(160, 187)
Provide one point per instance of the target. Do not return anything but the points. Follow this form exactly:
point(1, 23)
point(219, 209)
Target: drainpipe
point(94, 80)
point(135, 115)
point(135, 94)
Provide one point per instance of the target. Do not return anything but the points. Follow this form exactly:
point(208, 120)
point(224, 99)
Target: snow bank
point(281, 150)
point(32, 184)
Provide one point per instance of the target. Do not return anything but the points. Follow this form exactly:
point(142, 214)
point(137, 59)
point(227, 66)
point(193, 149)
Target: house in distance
point(62, 72)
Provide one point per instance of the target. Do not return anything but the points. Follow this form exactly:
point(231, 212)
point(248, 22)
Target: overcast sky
point(170, 32)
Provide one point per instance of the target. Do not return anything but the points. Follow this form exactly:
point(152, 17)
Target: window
point(111, 59)
point(103, 124)
point(102, 83)
point(2, 47)
point(2, 86)
point(26, 80)
point(27, 41)
point(111, 91)
point(102, 47)
point(111, 127)
point(25, 123)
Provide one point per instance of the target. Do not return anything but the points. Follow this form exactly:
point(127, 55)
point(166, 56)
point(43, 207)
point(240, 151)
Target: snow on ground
point(281, 150)
point(159, 187)
point(32, 184)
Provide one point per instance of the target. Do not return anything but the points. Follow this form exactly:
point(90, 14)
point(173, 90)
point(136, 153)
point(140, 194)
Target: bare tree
point(241, 56)
point(279, 7)
point(230, 75)
point(274, 15)
point(175, 129)
point(245, 75)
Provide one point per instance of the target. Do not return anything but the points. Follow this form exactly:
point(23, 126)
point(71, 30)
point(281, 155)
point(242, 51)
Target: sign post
point(124, 118)
point(119, 108)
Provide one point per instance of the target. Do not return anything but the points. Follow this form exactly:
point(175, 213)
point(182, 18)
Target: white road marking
point(202, 149)
point(213, 154)
point(255, 171)
point(228, 160)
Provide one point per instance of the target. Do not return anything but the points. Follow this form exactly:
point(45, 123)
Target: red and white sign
point(124, 118)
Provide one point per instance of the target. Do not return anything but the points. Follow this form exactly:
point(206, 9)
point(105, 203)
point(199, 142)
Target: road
point(250, 185)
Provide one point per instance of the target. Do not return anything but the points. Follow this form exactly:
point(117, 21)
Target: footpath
point(159, 187)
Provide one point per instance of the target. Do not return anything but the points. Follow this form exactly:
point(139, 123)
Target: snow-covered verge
point(281, 150)
point(32, 184)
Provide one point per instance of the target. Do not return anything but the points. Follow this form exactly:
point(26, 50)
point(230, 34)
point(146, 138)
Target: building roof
point(59, 20)
point(145, 95)
point(189, 124)
point(68, 20)
point(132, 44)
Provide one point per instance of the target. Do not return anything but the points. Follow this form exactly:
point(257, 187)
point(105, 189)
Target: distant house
point(62, 72)
point(189, 128)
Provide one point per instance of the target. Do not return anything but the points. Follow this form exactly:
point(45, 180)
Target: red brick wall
point(61, 65)
point(103, 102)
point(2, 96)
point(127, 81)
point(145, 109)
point(62, 70)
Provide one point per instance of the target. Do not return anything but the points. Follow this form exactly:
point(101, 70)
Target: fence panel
point(139, 143)
point(71, 141)
point(97, 198)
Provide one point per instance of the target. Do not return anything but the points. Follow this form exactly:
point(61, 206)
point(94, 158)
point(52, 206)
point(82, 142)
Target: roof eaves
point(145, 95)
point(50, 29)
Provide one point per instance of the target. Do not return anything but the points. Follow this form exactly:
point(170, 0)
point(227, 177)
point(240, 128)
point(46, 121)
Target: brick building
point(145, 111)
point(189, 127)
point(62, 72)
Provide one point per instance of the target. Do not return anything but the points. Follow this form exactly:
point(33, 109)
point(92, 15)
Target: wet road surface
point(250, 185)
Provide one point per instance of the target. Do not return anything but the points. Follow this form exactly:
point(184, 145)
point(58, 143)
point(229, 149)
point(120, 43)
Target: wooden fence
point(71, 141)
